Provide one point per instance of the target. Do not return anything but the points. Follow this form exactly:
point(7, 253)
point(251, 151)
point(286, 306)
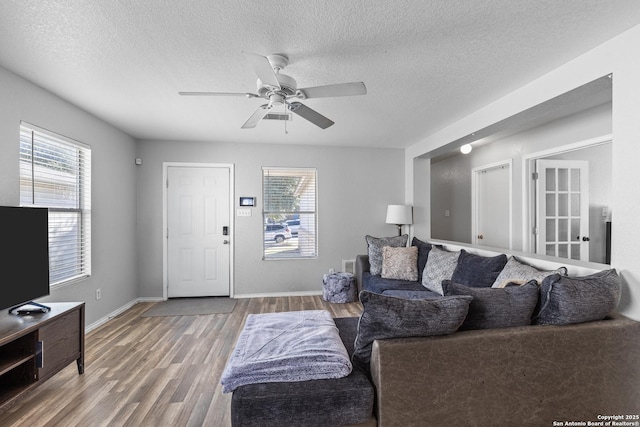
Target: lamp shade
point(399, 214)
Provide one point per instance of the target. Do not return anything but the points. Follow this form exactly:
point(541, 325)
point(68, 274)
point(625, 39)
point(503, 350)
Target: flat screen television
point(24, 255)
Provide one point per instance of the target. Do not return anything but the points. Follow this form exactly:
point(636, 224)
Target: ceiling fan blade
point(343, 89)
point(246, 94)
point(256, 116)
point(263, 69)
point(309, 114)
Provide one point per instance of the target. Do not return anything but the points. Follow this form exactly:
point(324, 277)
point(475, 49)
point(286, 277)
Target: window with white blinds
point(55, 172)
point(289, 212)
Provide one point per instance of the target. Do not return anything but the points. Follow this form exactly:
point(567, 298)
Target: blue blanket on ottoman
point(286, 347)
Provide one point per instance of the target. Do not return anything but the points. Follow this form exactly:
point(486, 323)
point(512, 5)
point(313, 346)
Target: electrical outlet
point(98, 294)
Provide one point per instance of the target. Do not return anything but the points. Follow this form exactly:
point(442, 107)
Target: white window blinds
point(289, 212)
point(55, 172)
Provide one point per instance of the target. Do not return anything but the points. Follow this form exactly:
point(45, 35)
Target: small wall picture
point(247, 201)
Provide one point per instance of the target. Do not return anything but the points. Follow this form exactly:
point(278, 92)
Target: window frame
point(309, 235)
point(65, 189)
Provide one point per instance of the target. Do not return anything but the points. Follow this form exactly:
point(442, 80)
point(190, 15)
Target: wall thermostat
point(247, 201)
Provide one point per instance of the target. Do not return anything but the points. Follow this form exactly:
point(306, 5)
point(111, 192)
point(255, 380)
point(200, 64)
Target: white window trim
point(314, 212)
point(84, 208)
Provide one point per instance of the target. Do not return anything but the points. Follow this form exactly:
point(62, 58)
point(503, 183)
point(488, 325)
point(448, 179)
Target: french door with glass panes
point(562, 217)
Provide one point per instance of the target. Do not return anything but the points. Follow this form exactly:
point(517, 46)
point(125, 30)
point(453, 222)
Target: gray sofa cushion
point(339, 401)
point(378, 285)
point(375, 245)
point(477, 271)
point(566, 300)
point(423, 294)
point(497, 307)
point(390, 317)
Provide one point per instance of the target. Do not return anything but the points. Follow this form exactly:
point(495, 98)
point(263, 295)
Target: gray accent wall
point(451, 177)
point(355, 185)
point(114, 263)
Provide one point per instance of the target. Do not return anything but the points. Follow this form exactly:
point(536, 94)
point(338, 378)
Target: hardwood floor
point(153, 371)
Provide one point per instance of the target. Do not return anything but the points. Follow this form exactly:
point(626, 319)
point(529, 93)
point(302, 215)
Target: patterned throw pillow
point(390, 317)
point(440, 266)
point(567, 300)
point(497, 307)
point(400, 263)
point(375, 245)
point(517, 272)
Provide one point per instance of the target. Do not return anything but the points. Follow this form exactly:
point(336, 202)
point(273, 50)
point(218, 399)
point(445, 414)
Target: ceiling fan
point(281, 89)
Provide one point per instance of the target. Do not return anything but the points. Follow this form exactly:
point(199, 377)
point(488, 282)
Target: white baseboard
point(279, 294)
point(117, 312)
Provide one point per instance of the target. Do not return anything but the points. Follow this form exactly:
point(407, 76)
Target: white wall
point(354, 187)
point(617, 56)
point(113, 189)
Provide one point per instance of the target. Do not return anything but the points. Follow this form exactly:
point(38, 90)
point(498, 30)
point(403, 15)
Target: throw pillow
point(400, 263)
point(566, 300)
point(518, 272)
point(478, 271)
point(375, 245)
point(495, 307)
point(423, 253)
point(440, 266)
point(390, 317)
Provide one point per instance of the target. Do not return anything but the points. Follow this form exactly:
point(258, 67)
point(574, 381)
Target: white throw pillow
point(517, 272)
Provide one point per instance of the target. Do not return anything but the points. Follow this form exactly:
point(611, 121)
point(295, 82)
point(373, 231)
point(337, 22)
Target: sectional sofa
point(466, 353)
point(573, 366)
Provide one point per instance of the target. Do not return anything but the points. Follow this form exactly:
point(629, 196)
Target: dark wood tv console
point(35, 347)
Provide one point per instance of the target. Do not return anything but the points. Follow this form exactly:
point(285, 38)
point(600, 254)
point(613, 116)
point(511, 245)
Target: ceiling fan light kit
point(279, 89)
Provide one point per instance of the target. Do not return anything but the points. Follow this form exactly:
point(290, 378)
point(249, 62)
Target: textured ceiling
point(426, 63)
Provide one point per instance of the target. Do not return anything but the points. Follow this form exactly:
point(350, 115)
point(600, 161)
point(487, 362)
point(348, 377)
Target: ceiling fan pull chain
point(286, 132)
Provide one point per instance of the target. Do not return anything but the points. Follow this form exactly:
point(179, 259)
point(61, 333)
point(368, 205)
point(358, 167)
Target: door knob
point(225, 242)
point(480, 236)
point(585, 239)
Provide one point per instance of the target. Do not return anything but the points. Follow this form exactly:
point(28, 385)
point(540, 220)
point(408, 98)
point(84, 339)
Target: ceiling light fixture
point(466, 149)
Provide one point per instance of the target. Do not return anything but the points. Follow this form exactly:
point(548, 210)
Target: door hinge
point(535, 231)
point(167, 182)
point(534, 176)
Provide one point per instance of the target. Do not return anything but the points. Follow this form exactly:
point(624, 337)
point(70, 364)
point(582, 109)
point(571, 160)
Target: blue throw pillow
point(497, 307)
point(478, 271)
point(423, 254)
point(390, 317)
point(565, 300)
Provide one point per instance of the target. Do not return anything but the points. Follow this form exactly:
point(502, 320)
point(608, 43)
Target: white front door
point(198, 231)
point(492, 206)
point(562, 198)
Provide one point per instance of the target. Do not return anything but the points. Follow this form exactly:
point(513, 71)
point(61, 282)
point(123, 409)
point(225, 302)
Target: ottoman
point(339, 287)
point(330, 402)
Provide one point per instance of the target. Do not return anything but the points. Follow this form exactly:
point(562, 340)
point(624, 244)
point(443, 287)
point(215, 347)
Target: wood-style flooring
point(153, 371)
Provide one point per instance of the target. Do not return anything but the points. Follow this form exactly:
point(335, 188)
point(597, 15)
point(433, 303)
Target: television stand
point(24, 309)
point(35, 347)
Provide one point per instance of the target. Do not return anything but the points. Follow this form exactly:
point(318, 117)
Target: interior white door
point(198, 234)
point(562, 217)
point(492, 206)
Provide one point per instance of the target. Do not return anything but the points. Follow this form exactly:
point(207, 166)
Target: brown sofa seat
point(526, 376)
